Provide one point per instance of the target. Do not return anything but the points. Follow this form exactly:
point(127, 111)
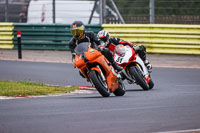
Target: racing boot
point(116, 67)
point(148, 65)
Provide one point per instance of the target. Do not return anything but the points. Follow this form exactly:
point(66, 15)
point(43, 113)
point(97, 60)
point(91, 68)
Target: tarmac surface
point(157, 60)
point(173, 97)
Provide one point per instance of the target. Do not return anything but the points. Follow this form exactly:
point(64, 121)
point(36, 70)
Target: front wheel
point(151, 84)
point(137, 74)
point(120, 91)
point(99, 84)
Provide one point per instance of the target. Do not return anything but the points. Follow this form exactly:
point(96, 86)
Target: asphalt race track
point(173, 104)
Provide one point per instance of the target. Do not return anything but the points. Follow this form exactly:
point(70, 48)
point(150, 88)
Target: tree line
point(162, 7)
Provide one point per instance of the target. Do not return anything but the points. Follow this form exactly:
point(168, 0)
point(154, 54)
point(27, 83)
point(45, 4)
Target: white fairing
point(125, 59)
point(140, 61)
point(127, 56)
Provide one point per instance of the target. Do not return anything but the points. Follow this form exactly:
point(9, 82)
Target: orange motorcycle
point(96, 69)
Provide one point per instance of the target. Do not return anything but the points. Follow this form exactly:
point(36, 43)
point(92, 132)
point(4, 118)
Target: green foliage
point(133, 7)
point(162, 7)
point(177, 7)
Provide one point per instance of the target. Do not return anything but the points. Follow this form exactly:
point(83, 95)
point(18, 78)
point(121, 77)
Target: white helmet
point(103, 35)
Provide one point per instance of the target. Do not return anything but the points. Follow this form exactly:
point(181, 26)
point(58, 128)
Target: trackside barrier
point(46, 36)
point(159, 38)
point(6, 35)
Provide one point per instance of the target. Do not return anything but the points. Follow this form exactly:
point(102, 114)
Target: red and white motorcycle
point(134, 69)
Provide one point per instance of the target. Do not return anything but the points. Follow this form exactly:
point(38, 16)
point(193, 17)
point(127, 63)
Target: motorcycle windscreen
point(81, 48)
point(120, 50)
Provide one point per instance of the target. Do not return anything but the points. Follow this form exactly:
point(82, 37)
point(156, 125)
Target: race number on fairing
point(125, 59)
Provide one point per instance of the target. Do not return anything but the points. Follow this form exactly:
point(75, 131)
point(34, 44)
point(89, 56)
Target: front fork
point(125, 74)
point(98, 69)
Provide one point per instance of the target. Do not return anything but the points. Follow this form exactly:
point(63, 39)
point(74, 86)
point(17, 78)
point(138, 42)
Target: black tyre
point(121, 90)
point(151, 84)
point(137, 74)
point(99, 84)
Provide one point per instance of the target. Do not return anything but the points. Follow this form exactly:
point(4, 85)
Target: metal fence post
point(100, 14)
point(92, 13)
point(54, 11)
point(103, 11)
point(117, 11)
point(6, 11)
point(151, 12)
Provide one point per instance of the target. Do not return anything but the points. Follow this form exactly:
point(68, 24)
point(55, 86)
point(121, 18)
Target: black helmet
point(77, 29)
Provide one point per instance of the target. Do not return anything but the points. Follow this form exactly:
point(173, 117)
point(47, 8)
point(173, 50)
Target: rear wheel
point(139, 77)
point(120, 91)
point(99, 83)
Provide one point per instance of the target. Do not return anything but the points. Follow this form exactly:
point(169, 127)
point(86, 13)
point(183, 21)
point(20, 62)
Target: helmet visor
point(77, 31)
point(103, 38)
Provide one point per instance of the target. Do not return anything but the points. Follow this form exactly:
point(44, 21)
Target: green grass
point(27, 88)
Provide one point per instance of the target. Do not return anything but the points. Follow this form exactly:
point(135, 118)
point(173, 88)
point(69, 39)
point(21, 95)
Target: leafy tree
point(162, 7)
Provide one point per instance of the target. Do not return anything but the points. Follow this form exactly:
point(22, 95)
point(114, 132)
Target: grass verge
point(27, 88)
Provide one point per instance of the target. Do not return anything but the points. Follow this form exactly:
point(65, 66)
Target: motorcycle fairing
point(95, 57)
point(128, 57)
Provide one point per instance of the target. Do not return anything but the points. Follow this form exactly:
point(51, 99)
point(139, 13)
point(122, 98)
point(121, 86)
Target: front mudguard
point(96, 69)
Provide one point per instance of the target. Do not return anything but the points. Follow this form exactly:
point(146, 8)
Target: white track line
point(183, 131)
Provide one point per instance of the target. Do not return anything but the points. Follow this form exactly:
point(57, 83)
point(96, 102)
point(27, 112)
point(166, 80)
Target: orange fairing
point(112, 80)
point(79, 62)
point(94, 56)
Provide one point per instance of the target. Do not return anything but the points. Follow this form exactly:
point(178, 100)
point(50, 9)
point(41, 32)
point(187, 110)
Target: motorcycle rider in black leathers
point(80, 35)
point(110, 44)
